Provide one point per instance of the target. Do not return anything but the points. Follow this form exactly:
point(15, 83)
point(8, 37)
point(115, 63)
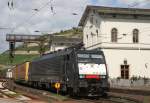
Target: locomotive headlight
point(103, 76)
point(82, 76)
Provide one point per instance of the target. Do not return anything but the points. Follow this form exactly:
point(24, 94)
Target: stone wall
point(136, 84)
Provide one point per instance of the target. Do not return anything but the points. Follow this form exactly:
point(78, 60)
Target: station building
point(124, 36)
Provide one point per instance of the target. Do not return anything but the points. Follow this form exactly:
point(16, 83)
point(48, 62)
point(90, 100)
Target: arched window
point(97, 32)
point(87, 37)
point(91, 19)
point(114, 33)
point(135, 36)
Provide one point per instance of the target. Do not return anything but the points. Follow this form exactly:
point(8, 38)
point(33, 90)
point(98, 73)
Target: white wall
point(88, 28)
point(138, 61)
point(126, 26)
point(137, 55)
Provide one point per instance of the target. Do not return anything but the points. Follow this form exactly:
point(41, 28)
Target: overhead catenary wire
point(34, 14)
point(10, 4)
point(52, 7)
point(137, 3)
point(49, 4)
point(121, 35)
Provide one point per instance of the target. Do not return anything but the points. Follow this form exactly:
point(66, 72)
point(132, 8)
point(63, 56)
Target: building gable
point(113, 12)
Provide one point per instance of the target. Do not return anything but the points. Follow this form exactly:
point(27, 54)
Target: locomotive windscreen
point(91, 64)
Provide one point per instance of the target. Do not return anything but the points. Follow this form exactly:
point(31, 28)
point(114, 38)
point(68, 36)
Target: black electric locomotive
point(79, 72)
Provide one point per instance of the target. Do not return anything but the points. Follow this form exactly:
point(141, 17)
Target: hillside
point(74, 32)
point(71, 33)
point(20, 58)
point(5, 60)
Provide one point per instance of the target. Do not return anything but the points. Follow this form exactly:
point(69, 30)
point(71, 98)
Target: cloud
point(3, 44)
point(135, 3)
point(31, 15)
point(25, 19)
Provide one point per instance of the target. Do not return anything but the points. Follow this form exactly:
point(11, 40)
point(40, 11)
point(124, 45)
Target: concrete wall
point(135, 84)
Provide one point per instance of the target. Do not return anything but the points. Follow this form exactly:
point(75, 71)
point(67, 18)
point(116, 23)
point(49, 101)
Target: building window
point(114, 15)
point(61, 44)
point(97, 32)
point(125, 71)
point(91, 19)
point(114, 33)
point(96, 21)
point(94, 11)
point(87, 37)
point(92, 34)
point(135, 36)
point(135, 16)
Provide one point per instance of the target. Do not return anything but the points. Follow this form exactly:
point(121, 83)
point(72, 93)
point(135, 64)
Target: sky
point(47, 16)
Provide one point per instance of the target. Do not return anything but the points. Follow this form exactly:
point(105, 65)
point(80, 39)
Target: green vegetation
point(74, 32)
point(146, 99)
point(4, 59)
point(41, 48)
point(32, 48)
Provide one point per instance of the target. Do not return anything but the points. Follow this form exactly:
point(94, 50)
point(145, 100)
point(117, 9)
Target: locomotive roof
point(65, 52)
point(90, 51)
point(56, 53)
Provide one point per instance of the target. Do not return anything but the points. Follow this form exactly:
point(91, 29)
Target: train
point(71, 71)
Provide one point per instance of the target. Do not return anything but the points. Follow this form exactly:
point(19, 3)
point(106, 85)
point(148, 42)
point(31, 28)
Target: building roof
point(113, 10)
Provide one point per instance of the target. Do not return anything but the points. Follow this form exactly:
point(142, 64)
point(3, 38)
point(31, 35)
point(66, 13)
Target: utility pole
point(11, 51)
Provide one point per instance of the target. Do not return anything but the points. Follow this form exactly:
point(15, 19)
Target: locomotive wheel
point(105, 95)
point(70, 92)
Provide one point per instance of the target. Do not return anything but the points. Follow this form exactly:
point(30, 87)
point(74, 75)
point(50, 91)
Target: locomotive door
point(67, 70)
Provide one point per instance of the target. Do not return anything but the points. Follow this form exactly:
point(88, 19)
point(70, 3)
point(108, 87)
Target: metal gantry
point(22, 38)
point(13, 38)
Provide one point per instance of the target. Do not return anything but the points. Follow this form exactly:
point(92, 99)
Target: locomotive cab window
point(92, 58)
point(91, 65)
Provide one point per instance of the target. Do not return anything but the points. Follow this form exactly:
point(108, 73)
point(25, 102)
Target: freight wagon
point(20, 72)
point(79, 72)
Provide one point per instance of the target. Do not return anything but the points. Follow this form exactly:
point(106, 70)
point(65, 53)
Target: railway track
point(48, 96)
point(109, 99)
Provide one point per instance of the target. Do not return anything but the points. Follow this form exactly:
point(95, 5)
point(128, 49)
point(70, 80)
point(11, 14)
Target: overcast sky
point(27, 16)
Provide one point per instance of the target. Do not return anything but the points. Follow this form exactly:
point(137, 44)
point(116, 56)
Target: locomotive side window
point(83, 55)
point(89, 55)
point(96, 56)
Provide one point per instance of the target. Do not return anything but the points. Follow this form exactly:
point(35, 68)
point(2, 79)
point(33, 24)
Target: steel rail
point(48, 95)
